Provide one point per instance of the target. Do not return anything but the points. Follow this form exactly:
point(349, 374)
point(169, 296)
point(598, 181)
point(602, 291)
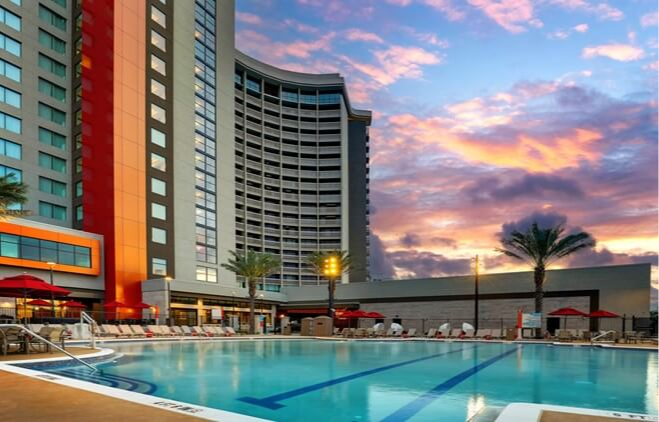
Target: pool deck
point(30, 399)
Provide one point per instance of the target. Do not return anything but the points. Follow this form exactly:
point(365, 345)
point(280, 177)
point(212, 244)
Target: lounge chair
point(410, 333)
point(444, 333)
point(154, 330)
point(469, 334)
point(378, 333)
point(347, 332)
point(200, 332)
point(187, 330)
point(336, 331)
point(10, 336)
point(138, 330)
point(360, 333)
point(370, 332)
point(125, 329)
point(495, 333)
point(397, 333)
point(57, 336)
point(215, 331)
point(389, 333)
point(564, 335)
point(432, 333)
point(485, 333)
point(229, 331)
point(456, 333)
point(177, 330)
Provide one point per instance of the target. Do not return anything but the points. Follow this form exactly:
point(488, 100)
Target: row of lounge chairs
point(456, 333)
point(128, 331)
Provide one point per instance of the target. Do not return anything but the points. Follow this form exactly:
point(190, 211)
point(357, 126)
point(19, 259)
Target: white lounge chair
point(138, 330)
point(187, 330)
point(198, 331)
point(125, 329)
point(410, 333)
point(431, 333)
point(230, 331)
point(177, 330)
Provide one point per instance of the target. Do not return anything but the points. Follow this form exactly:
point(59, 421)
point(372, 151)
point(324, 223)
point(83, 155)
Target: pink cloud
point(614, 51)
point(340, 10)
point(360, 35)
point(649, 19)
point(426, 37)
point(581, 28)
point(601, 10)
point(300, 27)
point(275, 51)
point(512, 15)
point(248, 18)
point(396, 62)
point(402, 3)
point(563, 34)
point(447, 8)
point(653, 66)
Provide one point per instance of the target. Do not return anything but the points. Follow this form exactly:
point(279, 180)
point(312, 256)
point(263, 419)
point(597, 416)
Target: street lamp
point(51, 265)
point(331, 271)
point(475, 261)
point(168, 280)
point(261, 321)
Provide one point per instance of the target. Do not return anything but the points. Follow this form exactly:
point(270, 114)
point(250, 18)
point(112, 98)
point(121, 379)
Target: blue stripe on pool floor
point(415, 406)
point(271, 402)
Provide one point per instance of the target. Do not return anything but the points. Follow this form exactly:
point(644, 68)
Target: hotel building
point(152, 148)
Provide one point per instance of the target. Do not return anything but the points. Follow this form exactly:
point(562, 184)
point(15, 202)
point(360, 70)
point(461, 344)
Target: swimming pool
point(306, 380)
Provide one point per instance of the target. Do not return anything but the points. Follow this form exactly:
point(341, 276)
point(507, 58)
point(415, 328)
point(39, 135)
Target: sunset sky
point(487, 115)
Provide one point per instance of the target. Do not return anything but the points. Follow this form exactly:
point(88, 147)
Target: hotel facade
point(152, 148)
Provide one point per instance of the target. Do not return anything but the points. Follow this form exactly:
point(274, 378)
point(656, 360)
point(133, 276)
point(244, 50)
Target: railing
point(50, 343)
point(603, 335)
point(84, 317)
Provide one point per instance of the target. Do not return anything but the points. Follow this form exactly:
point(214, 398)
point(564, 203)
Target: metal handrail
point(92, 324)
point(33, 334)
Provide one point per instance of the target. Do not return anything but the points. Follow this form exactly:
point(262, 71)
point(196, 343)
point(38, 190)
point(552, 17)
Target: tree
point(11, 192)
point(319, 262)
point(253, 266)
point(540, 248)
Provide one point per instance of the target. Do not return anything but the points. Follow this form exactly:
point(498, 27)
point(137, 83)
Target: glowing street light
point(331, 271)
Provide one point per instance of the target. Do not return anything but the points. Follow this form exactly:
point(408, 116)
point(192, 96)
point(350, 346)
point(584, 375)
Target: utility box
point(322, 326)
point(286, 326)
point(306, 328)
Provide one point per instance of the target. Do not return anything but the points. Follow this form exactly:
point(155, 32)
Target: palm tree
point(318, 261)
point(540, 248)
point(253, 266)
point(11, 192)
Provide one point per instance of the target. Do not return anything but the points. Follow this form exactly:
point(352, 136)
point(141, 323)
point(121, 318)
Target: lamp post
point(51, 265)
point(475, 260)
point(261, 321)
point(168, 280)
point(331, 270)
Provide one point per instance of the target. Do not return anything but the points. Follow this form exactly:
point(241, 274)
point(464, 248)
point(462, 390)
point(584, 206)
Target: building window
point(206, 274)
point(158, 138)
point(253, 85)
point(10, 45)
point(289, 96)
point(52, 187)
point(52, 163)
point(329, 98)
point(10, 149)
point(158, 235)
point(60, 2)
point(10, 123)
point(308, 98)
point(158, 211)
point(78, 140)
point(78, 93)
point(15, 174)
point(158, 162)
point(158, 40)
point(52, 90)
point(51, 138)
point(22, 247)
point(78, 22)
point(48, 210)
point(158, 113)
point(238, 78)
point(158, 65)
point(158, 17)
point(79, 213)
point(206, 254)
point(158, 187)
point(54, 115)
point(52, 66)
point(78, 187)
point(48, 16)
point(11, 20)
point(78, 165)
point(10, 97)
point(159, 266)
point(50, 41)
point(158, 89)
point(10, 71)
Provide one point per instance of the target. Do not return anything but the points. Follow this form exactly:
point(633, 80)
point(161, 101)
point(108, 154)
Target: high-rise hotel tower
point(152, 148)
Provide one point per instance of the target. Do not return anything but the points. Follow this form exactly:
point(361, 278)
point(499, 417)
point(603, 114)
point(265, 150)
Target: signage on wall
point(216, 313)
point(532, 320)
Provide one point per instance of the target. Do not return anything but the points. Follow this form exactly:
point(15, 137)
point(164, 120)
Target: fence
point(73, 316)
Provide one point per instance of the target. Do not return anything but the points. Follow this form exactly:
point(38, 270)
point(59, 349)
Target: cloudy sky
point(487, 115)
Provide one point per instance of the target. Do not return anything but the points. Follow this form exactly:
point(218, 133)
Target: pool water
point(302, 380)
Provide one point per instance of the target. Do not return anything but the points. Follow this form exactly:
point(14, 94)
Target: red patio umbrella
point(38, 302)
point(24, 285)
point(566, 312)
point(375, 315)
point(140, 305)
point(114, 304)
point(602, 314)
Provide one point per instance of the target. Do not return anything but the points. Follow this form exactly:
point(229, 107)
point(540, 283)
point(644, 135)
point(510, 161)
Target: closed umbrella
point(566, 312)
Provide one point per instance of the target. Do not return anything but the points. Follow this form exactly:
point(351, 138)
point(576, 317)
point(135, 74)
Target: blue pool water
point(381, 381)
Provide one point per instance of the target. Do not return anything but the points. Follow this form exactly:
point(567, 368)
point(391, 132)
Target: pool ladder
point(50, 343)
